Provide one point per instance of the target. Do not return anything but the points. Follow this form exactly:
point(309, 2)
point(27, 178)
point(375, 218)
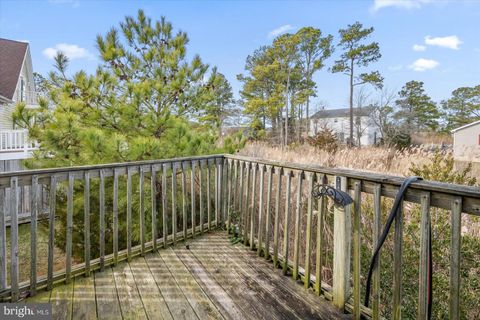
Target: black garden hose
point(383, 237)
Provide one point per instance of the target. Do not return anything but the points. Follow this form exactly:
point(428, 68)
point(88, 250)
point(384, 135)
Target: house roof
point(341, 113)
point(466, 126)
point(12, 54)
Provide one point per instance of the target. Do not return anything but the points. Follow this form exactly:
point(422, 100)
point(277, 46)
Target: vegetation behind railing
point(329, 247)
point(99, 215)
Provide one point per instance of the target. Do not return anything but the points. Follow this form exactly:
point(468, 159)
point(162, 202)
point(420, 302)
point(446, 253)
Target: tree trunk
point(350, 143)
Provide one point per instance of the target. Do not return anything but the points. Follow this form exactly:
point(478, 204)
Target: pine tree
point(356, 55)
point(416, 111)
point(463, 107)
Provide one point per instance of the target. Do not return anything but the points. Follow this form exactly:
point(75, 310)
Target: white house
point(16, 85)
point(338, 120)
point(466, 142)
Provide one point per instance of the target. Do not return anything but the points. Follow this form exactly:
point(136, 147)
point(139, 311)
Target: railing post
point(341, 248)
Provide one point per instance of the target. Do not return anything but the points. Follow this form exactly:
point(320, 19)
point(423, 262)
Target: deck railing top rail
point(267, 204)
point(442, 192)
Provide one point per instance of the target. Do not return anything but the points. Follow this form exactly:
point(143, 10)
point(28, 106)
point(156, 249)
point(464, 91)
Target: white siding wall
point(466, 145)
point(341, 126)
point(6, 110)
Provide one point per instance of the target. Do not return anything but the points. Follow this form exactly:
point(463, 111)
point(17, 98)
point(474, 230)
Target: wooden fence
point(266, 204)
point(170, 221)
point(280, 222)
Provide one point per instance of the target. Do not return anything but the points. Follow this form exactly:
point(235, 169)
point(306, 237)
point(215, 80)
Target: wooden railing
point(284, 224)
point(267, 205)
point(72, 192)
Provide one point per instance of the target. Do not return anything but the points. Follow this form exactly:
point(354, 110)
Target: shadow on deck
point(211, 279)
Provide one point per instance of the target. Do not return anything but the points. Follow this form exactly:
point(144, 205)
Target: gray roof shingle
point(12, 54)
point(342, 113)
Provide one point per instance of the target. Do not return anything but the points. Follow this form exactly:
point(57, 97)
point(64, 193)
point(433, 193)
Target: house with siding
point(466, 142)
point(365, 131)
point(16, 85)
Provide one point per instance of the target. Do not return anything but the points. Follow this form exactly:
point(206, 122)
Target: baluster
point(268, 213)
point(286, 226)
point(235, 181)
point(240, 201)
point(224, 191)
point(276, 220)
point(308, 236)
point(142, 209)
point(252, 212)
point(68, 251)
point(244, 214)
point(455, 247)
point(33, 235)
point(397, 264)
point(129, 212)
point(192, 194)
point(341, 249)
point(424, 259)
point(102, 219)
point(164, 204)
point(321, 213)
point(377, 229)
point(209, 204)
point(51, 230)
point(153, 190)
point(115, 216)
point(218, 193)
point(14, 238)
point(296, 247)
point(174, 202)
point(357, 249)
point(260, 209)
point(184, 199)
point(200, 193)
point(229, 197)
point(86, 221)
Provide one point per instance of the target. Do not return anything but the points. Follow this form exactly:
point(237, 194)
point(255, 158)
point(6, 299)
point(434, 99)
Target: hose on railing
point(383, 237)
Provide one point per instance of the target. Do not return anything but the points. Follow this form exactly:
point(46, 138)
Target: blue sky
point(432, 41)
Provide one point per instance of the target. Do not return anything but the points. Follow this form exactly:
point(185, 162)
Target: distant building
point(16, 85)
point(338, 120)
point(466, 142)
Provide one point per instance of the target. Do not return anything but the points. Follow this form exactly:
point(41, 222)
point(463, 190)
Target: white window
point(22, 90)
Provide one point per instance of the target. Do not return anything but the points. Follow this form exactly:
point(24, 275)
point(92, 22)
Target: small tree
point(356, 54)
point(463, 107)
point(416, 111)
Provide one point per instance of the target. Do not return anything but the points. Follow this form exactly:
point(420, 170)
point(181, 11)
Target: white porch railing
point(16, 141)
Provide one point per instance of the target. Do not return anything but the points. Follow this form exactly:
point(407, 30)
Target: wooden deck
point(211, 279)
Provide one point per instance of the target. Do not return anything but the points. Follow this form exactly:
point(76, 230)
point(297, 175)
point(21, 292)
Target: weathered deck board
point(306, 304)
point(128, 295)
point(62, 301)
point(211, 279)
point(204, 308)
point(108, 306)
point(173, 295)
point(153, 301)
point(84, 305)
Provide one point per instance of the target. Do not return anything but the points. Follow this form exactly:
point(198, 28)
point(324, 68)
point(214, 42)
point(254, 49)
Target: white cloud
point(395, 68)
point(278, 31)
point(404, 4)
point(419, 47)
point(72, 51)
point(74, 3)
point(451, 42)
point(423, 65)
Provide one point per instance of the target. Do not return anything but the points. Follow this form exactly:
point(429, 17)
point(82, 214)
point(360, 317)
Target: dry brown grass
point(372, 159)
